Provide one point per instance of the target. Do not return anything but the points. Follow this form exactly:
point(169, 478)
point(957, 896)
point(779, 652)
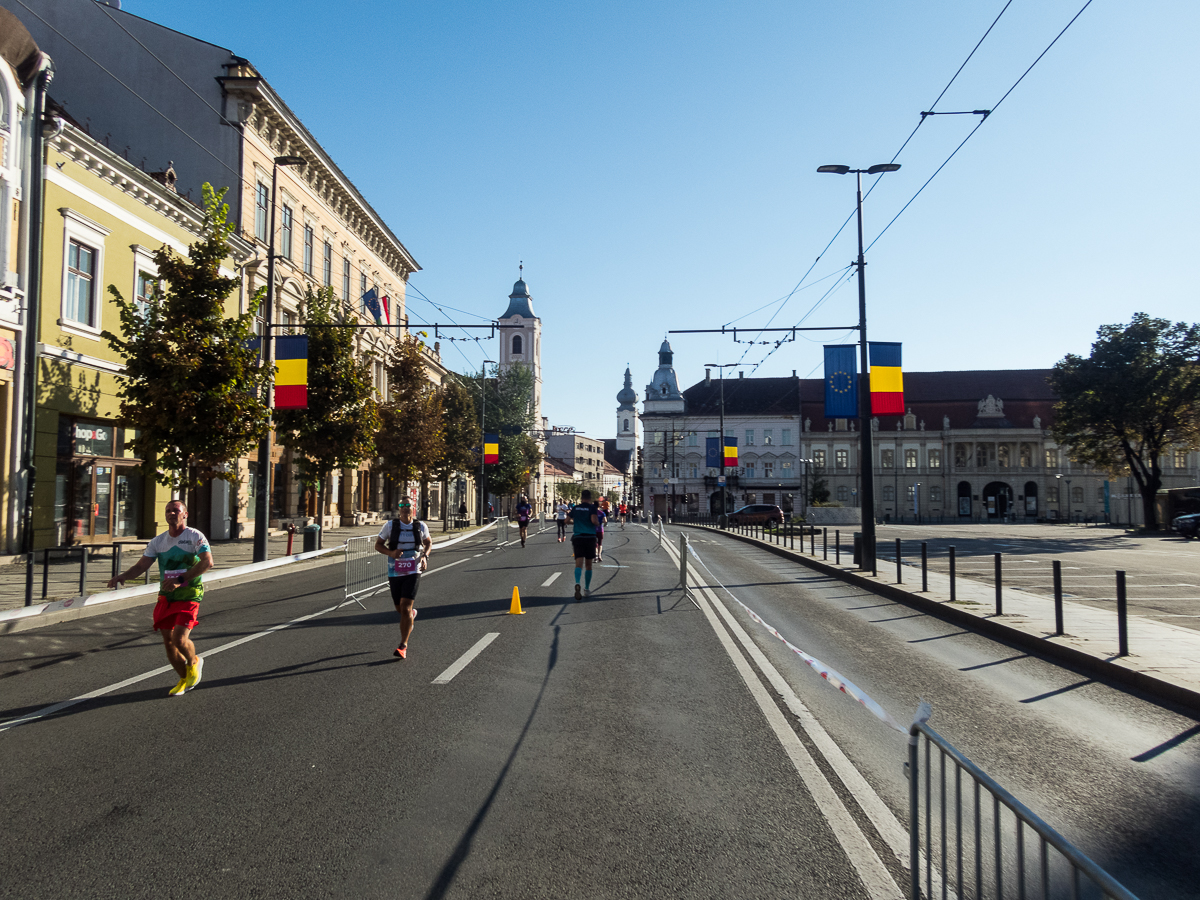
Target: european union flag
point(712, 453)
point(841, 381)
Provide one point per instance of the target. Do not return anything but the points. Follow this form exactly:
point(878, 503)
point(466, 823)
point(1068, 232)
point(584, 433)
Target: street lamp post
point(804, 505)
point(723, 518)
point(917, 502)
point(866, 464)
point(1068, 481)
point(482, 436)
point(262, 511)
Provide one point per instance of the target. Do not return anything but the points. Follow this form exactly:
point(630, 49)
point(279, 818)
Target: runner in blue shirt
point(583, 541)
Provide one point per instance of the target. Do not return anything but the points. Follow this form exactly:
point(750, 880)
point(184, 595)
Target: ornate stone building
point(972, 446)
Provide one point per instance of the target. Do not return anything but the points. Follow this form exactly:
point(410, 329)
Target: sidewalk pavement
point(64, 572)
point(1163, 659)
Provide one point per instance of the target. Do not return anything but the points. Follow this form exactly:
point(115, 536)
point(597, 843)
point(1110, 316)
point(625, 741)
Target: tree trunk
point(321, 509)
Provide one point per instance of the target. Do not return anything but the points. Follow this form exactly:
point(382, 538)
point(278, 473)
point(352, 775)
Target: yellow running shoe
point(193, 675)
point(178, 689)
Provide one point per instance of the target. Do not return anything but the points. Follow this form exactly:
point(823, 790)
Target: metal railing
point(981, 842)
point(502, 529)
point(366, 569)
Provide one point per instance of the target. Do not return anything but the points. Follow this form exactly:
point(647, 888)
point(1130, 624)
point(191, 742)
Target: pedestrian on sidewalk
point(583, 541)
point(406, 542)
point(183, 556)
point(524, 511)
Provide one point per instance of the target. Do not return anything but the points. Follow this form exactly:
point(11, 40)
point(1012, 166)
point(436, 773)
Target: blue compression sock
point(587, 580)
point(577, 571)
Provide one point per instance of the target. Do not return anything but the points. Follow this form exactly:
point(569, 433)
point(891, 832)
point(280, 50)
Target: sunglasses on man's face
point(406, 506)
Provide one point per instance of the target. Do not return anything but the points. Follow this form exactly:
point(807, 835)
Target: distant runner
point(601, 518)
point(524, 511)
point(560, 517)
point(183, 555)
point(406, 544)
point(583, 541)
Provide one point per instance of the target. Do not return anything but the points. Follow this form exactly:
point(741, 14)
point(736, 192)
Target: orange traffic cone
point(515, 609)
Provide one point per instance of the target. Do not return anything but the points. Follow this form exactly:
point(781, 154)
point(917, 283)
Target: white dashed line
point(466, 658)
point(549, 581)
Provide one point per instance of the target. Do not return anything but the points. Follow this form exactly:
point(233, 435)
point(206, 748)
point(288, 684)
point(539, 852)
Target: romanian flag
point(291, 372)
point(731, 459)
point(887, 381)
point(387, 308)
point(491, 448)
point(841, 381)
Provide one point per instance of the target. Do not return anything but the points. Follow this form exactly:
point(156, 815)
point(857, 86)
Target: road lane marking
point(463, 661)
point(100, 692)
point(549, 581)
point(862, 856)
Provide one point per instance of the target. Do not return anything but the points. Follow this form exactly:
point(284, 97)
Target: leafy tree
point(568, 490)
point(410, 440)
point(1137, 395)
point(460, 432)
point(338, 428)
point(818, 489)
point(508, 411)
point(192, 386)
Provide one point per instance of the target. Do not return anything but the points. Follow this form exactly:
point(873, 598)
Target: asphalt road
point(630, 745)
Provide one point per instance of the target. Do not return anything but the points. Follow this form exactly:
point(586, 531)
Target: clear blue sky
point(654, 165)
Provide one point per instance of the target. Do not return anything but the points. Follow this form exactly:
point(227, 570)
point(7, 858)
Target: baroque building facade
point(972, 446)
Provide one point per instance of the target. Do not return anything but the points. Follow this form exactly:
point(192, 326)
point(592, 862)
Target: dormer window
point(516, 343)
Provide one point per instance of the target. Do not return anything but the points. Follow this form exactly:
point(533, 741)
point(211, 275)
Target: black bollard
point(824, 543)
point(1122, 623)
point(858, 541)
point(899, 575)
point(837, 546)
point(924, 566)
point(83, 571)
point(999, 601)
point(1058, 606)
point(952, 585)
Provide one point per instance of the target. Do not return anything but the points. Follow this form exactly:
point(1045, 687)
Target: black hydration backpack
point(394, 536)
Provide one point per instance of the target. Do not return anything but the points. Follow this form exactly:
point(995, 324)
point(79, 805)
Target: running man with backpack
point(524, 511)
point(406, 543)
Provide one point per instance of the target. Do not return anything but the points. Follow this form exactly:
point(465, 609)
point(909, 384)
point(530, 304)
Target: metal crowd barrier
point(502, 530)
point(1002, 849)
point(366, 569)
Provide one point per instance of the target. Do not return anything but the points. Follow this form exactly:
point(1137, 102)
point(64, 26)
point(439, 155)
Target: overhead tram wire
point(985, 115)
point(895, 156)
point(150, 105)
point(979, 125)
point(455, 341)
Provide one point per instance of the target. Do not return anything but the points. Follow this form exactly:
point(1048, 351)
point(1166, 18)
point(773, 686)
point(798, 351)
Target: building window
point(1026, 460)
point(1002, 456)
point(261, 200)
point(327, 267)
point(1181, 459)
point(346, 279)
point(1051, 459)
point(285, 231)
point(785, 468)
point(768, 436)
point(843, 459)
point(516, 344)
point(145, 290)
point(694, 475)
point(79, 300)
point(910, 492)
point(935, 459)
point(362, 283)
point(819, 459)
point(843, 493)
point(1052, 493)
point(910, 459)
point(658, 437)
point(1100, 495)
point(787, 437)
point(749, 470)
point(889, 494)
point(749, 437)
point(935, 494)
point(960, 456)
point(693, 439)
point(886, 459)
point(981, 456)
point(1076, 495)
point(768, 469)
point(308, 250)
point(624, 424)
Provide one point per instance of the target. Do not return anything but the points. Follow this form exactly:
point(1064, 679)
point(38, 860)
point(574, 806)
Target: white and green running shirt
point(175, 555)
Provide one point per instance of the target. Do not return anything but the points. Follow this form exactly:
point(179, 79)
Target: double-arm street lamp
point(804, 500)
point(266, 350)
point(867, 463)
point(482, 435)
point(721, 367)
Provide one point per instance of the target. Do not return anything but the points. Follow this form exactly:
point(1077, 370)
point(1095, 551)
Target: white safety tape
point(843, 684)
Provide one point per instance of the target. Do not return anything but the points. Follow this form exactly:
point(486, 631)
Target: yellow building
point(104, 218)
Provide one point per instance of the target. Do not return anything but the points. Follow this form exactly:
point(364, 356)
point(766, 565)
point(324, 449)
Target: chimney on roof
point(793, 373)
point(708, 376)
point(741, 374)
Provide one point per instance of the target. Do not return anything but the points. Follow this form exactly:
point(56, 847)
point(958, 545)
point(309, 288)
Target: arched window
point(625, 425)
point(516, 343)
